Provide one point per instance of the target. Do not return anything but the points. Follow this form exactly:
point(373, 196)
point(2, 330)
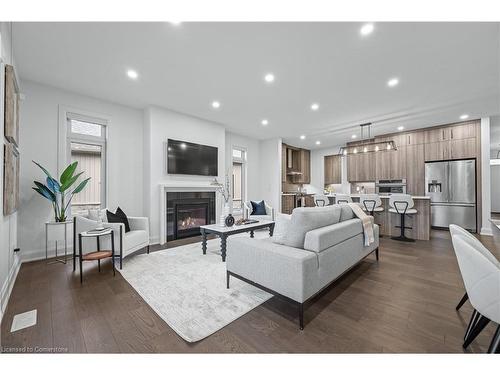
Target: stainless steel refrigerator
point(451, 185)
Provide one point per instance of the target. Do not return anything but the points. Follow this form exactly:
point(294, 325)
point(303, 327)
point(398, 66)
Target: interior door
point(463, 181)
point(436, 181)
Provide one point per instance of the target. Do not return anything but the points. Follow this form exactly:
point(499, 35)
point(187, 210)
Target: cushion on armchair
point(258, 208)
point(118, 217)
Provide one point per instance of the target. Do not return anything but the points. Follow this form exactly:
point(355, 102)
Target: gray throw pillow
point(282, 223)
point(305, 219)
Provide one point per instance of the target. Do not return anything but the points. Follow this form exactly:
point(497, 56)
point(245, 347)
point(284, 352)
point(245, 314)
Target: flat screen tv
point(191, 158)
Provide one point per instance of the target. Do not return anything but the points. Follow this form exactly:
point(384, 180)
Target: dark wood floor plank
point(404, 303)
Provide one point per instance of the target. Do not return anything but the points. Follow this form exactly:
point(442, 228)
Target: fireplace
point(187, 211)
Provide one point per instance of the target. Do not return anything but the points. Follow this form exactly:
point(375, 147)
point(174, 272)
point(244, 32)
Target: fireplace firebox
point(187, 211)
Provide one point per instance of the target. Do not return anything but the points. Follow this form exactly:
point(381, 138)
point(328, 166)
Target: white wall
point(252, 148)
point(318, 172)
point(486, 228)
point(160, 125)
point(9, 261)
point(39, 137)
point(270, 172)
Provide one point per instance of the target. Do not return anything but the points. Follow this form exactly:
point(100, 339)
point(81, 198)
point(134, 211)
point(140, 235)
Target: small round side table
point(99, 253)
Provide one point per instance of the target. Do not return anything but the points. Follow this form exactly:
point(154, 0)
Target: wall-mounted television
point(191, 158)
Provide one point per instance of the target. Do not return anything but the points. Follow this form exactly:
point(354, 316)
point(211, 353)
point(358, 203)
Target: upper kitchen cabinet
point(333, 169)
point(463, 131)
point(463, 148)
point(436, 135)
point(360, 167)
point(437, 151)
point(304, 167)
point(390, 165)
point(414, 138)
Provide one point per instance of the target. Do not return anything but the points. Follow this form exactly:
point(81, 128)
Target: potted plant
point(60, 193)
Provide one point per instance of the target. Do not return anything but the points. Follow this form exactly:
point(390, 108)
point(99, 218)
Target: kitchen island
point(420, 222)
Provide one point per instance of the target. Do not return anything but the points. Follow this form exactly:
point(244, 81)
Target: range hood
point(290, 170)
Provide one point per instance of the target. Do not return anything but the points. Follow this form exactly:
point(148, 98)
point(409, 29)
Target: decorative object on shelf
point(229, 220)
point(10, 179)
point(58, 191)
point(367, 143)
point(225, 191)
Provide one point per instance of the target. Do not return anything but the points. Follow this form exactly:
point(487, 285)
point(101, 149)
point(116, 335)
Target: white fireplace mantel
point(179, 187)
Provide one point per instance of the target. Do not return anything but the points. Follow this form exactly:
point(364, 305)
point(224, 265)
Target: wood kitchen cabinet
point(436, 135)
point(360, 167)
point(283, 162)
point(304, 166)
point(333, 169)
point(414, 138)
point(390, 165)
point(463, 131)
point(415, 169)
point(287, 203)
point(463, 148)
point(437, 151)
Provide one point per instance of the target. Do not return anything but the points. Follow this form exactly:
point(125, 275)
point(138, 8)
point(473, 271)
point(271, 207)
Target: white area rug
point(188, 289)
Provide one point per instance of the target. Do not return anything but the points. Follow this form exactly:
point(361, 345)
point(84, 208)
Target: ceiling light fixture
point(264, 122)
point(215, 104)
point(132, 74)
point(401, 128)
point(367, 143)
point(175, 23)
point(464, 116)
point(315, 106)
point(393, 82)
point(318, 142)
point(302, 137)
point(269, 77)
point(366, 29)
point(354, 136)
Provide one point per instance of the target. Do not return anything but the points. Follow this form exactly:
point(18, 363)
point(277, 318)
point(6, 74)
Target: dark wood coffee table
point(224, 232)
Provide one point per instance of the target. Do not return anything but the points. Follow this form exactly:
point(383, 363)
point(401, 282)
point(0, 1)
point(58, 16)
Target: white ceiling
point(445, 69)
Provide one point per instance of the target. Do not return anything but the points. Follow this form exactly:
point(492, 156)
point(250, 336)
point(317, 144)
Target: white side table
point(52, 227)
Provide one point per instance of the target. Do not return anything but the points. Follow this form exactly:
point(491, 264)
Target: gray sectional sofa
point(310, 249)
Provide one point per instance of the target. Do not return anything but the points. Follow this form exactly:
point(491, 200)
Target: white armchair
point(247, 207)
point(126, 243)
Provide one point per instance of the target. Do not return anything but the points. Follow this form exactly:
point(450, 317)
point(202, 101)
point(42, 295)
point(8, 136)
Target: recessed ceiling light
point(302, 137)
point(366, 29)
point(354, 136)
point(315, 106)
point(464, 117)
point(175, 23)
point(318, 142)
point(392, 82)
point(264, 122)
point(400, 128)
point(215, 104)
point(183, 146)
point(132, 74)
point(269, 77)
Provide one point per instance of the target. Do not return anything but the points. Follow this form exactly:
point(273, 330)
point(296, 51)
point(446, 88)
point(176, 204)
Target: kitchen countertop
point(383, 196)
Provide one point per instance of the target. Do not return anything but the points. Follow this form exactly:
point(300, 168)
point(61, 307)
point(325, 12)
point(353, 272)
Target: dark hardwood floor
point(404, 303)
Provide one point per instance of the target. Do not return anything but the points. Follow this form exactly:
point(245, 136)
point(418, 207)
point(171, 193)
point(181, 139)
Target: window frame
point(243, 162)
point(66, 114)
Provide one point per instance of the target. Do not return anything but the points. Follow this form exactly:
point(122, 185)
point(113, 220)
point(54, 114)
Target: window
point(87, 145)
point(238, 182)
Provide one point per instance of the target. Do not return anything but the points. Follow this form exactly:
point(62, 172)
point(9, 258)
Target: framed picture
point(11, 130)
point(11, 179)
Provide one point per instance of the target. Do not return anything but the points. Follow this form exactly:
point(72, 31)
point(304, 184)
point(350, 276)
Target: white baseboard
point(39, 254)
point(8, 285)
point(485, 231)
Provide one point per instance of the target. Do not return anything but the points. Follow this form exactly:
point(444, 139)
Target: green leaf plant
point(60, 193)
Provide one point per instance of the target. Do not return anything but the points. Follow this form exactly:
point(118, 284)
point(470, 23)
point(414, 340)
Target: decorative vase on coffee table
point(225, 211)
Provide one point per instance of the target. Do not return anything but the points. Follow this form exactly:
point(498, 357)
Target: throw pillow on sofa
point(258, 208)
point(118, 217)
point(305, 219)
point(282, 223)
point(93, 214)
